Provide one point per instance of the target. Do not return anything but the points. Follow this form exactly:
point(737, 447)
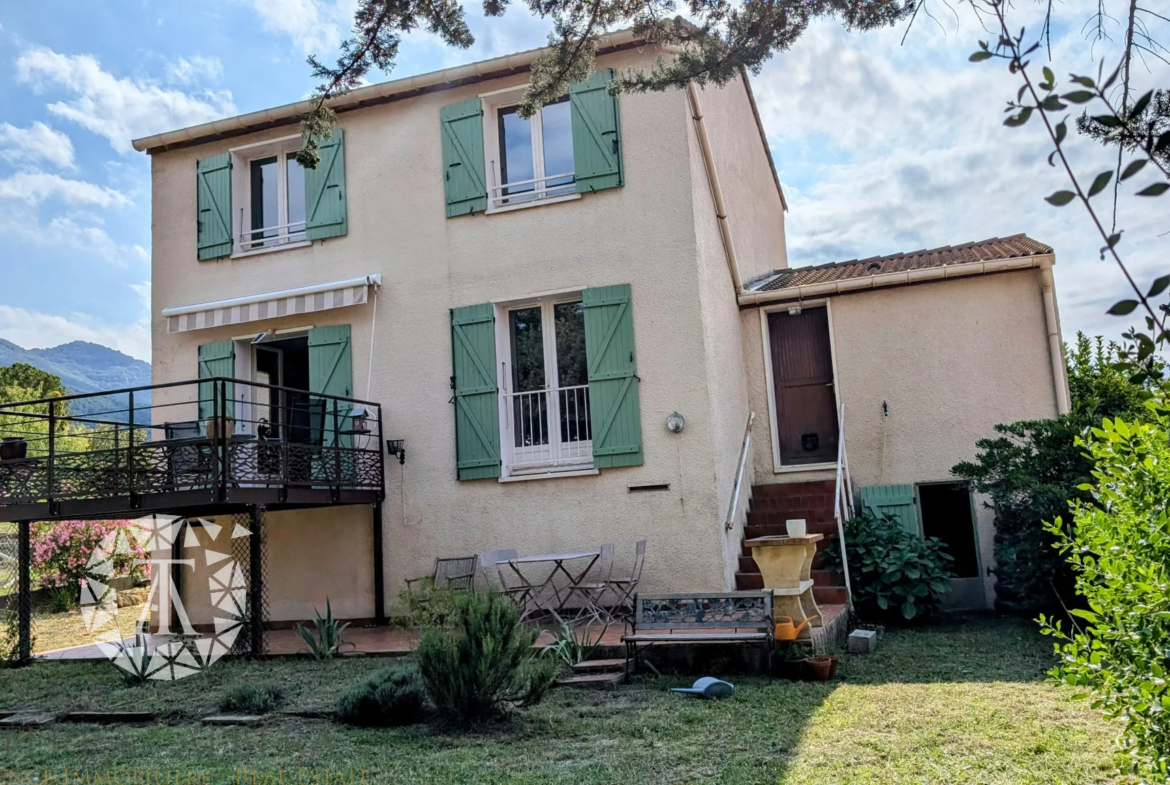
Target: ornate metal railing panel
point(213, 435)
point(726, 609)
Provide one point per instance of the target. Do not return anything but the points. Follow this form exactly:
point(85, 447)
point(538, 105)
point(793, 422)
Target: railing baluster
point(129, 448)
point(52, 472)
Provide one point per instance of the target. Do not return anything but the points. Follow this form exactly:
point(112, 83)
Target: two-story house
point(531, 300)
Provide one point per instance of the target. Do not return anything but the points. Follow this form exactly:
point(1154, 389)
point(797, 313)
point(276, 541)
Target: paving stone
point(109, 717)
point(233, 719)
point(28, 719)
point(862, 642)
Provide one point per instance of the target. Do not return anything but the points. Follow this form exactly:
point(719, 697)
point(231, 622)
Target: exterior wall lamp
point(396, 448)
point(675, 422)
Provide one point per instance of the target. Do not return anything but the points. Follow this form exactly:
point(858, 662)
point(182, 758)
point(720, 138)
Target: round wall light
point(675, 422)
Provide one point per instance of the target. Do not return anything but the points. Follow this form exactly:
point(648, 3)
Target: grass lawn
point(957, 703)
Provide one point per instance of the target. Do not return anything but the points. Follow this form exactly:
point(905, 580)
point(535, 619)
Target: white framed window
point(544, 387)
point(529, 161)
point(268, 187)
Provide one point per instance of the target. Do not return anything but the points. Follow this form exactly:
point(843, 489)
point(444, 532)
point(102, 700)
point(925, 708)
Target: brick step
point(593, 681)
point(820, 577)
point(827, 595)
point(796, 508)
point(776, 518)
point(596, 666)
point(747, 564)
point(795, 488)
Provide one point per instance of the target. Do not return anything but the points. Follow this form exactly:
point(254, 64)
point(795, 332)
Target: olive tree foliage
point(722, 38)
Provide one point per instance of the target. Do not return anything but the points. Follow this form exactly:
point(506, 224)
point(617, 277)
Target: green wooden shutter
point(331, 373)
point(477, 408)
point(213, 178)
point(463, 171)
point(597, 150)
point(325, 191)
point(614, 416)
point(216, 359)
point(896, 501)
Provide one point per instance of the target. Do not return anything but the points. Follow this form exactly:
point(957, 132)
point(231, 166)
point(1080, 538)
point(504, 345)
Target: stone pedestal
point(786, 565)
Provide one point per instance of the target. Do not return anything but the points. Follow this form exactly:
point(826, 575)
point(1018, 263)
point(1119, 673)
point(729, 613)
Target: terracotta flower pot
point(817, 668)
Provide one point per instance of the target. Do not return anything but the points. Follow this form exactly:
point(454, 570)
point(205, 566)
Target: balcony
point(196, 447)
point(548, 431)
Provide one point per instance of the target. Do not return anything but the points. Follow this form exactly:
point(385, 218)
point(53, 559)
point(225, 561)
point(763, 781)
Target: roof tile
point(996, 248)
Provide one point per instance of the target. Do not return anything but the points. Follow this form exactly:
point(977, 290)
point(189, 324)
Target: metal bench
point(700, 617)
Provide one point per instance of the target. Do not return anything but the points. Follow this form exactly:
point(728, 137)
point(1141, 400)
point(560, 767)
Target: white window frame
point(777, 465)
point(242, 158)
point(493, 102)
point(513, 464)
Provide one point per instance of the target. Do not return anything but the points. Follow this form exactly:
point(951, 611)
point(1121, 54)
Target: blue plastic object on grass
point(707, 687)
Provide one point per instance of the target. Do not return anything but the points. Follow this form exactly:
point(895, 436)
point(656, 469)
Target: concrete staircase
point(596, 674)
point(770, 506)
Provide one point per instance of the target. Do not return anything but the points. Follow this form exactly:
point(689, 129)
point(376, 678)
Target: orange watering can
point(786, 630)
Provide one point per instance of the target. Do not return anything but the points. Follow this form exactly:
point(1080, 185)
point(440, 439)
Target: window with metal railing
point(535, 156)
point(274, 208)
point(545, 399)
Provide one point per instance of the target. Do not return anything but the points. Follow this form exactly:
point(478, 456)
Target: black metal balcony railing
point(212, 440)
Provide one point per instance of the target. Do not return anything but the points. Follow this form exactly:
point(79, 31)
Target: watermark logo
point(175, 648)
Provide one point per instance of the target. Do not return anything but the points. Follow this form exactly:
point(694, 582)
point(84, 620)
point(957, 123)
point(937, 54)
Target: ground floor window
point(544, 387)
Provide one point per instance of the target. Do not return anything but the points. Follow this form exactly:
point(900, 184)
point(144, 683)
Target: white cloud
point(36, 187)
point(77, 233)
point(33, 329)
point(315, 26)
point(885, 148)
point(118, 109)
point(198, 68)
point(36, 144)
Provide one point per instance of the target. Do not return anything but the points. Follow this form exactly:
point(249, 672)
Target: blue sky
point(881, 146)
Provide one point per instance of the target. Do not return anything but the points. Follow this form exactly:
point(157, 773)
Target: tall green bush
point(1032, 471)
point(483, 663)
point(1119, 548)
point(892, 572)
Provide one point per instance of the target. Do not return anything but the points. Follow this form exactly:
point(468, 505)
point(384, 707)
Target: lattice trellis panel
point(242, 554)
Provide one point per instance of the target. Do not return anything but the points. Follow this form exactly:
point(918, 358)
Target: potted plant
point(13, 448)
point(818, 668)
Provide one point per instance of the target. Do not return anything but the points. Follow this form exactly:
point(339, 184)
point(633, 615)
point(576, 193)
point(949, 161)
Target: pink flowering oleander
point(61, 550)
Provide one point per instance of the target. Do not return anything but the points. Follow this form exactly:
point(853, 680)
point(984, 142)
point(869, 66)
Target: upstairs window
point(535, 156)
point(275, 204)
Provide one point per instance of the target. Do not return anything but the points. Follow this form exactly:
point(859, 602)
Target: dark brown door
point(802, 374)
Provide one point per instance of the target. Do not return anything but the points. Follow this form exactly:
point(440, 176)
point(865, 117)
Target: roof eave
point(447, 78)
point(903, 278)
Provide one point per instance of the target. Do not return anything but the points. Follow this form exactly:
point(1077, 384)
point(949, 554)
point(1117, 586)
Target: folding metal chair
point(625, 588)
point(591, 592)
point(488, 565)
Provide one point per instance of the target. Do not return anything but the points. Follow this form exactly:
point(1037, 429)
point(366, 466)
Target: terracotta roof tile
point(1016, 246)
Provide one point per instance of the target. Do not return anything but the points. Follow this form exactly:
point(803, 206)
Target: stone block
point(862, 641)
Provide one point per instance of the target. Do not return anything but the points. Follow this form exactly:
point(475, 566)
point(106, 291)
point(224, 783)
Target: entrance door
point(802, 376)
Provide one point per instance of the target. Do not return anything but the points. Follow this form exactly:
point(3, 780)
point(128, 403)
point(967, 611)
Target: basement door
point(802, 379)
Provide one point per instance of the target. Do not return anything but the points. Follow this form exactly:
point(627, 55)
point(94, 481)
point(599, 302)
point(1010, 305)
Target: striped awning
point(271, 305)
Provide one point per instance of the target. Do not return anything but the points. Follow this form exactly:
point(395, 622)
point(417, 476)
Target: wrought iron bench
point(700, 617)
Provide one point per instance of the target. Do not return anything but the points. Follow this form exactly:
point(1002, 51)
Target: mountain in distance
point(89, 367)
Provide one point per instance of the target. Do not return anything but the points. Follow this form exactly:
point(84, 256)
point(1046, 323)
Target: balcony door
point(802, 382)
point(546, 389)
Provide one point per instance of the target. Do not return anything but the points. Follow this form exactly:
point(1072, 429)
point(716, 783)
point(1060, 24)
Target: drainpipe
point(716, 191)
point(1055, 347)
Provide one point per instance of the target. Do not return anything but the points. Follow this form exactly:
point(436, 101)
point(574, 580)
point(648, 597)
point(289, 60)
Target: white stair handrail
point(743, 454)
point(843, 500)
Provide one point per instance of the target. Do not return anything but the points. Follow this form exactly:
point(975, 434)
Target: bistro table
point(547, 595)
point(786, 566)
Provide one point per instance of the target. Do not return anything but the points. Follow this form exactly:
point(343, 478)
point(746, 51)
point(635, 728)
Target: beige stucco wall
point(951, 359)
point(643, 234)
point(312, 555)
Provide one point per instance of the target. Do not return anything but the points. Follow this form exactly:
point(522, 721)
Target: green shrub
point(572, 645)
point(1033, 468)
point(484, 663)
point(890, 569)
point(1119, 549)
point(251, 698)
point(425, 606)
point(390, 696)
point(63, 599)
